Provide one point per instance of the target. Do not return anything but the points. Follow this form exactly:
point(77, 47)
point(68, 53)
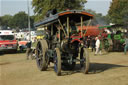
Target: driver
point(73, 28)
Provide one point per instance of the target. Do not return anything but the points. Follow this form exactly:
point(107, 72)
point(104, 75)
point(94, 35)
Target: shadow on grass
point(12, 52)
point(95, 68)
point(101, 67)
point(1, 53)
point(5, 63)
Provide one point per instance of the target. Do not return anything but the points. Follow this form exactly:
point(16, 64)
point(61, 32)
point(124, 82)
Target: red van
point(8, 41)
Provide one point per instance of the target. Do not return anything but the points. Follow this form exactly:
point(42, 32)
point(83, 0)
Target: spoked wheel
point(57, 62)
point(84, 60)
point(42, 61)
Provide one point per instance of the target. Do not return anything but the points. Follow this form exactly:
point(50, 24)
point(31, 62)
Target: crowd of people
point(92, 42)
point(95, 43)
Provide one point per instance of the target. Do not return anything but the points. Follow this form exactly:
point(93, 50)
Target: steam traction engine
point(63, 43)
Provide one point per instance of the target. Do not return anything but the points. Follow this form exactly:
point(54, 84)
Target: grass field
point(107, 69)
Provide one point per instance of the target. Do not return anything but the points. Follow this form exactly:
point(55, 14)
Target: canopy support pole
point(68, 26)
point(59, 35)
point(62, 27)
point(81, 26)
point(87, 26)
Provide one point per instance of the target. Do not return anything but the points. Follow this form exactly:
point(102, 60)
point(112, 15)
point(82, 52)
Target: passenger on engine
point(73, 28)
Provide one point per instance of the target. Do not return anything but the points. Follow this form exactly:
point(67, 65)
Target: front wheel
point(41, 59)
point(57, 62)
point(84, 60)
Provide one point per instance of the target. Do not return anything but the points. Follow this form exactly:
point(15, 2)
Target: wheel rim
point(41, 50)
point(39, 55)
point(57, 62)
point(85, 61)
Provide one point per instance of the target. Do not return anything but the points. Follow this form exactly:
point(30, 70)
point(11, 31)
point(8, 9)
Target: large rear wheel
point(84, 60)
point(42, 61)
point(57, 62)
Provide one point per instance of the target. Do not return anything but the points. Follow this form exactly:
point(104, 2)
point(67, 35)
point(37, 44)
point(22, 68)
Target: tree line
point(42, 6)
point(117, 14)
point(18, 21)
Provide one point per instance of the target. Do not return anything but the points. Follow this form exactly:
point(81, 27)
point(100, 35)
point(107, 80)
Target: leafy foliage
point(118, 11)
point(5, 20)
point(42, 6)
point(19, 21)
point(99, 19)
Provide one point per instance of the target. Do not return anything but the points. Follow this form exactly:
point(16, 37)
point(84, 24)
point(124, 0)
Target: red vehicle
point(22, 45)
point(92, 30)
point(8, 41)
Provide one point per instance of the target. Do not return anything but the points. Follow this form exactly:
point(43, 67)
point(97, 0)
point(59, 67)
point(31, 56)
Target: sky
point(14, 6)
point(100, 6)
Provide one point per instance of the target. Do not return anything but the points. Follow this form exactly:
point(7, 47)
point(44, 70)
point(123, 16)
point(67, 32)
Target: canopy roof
point(74, 15)
point(111, 26)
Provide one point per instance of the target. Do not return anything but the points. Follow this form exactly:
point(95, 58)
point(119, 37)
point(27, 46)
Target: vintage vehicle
point(91, 30)
point(63, 43)
point(40, 34)
point(8, 41)
point(22, 45)
point(115, 39)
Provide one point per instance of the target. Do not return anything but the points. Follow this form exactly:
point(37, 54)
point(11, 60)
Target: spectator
point(85, 42)
point(126, 45)
point(28, 51)
point(127, 33)
point(98, 50)
point(88, 41)
point(93, 43)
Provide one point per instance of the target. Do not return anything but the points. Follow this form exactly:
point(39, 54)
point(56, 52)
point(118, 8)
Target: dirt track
point(109, 69)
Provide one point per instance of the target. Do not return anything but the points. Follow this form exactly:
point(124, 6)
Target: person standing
point(97, 46)
point(126, 45)
point(85, 42)
point(88, 41)
point(28, 51)
point(93, 43)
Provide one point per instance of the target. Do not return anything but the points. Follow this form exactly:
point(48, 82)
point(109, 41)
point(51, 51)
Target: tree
point(118, 11)
point(4, 20)
point(42, 6)
point(20, 20)
point(99, 19)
